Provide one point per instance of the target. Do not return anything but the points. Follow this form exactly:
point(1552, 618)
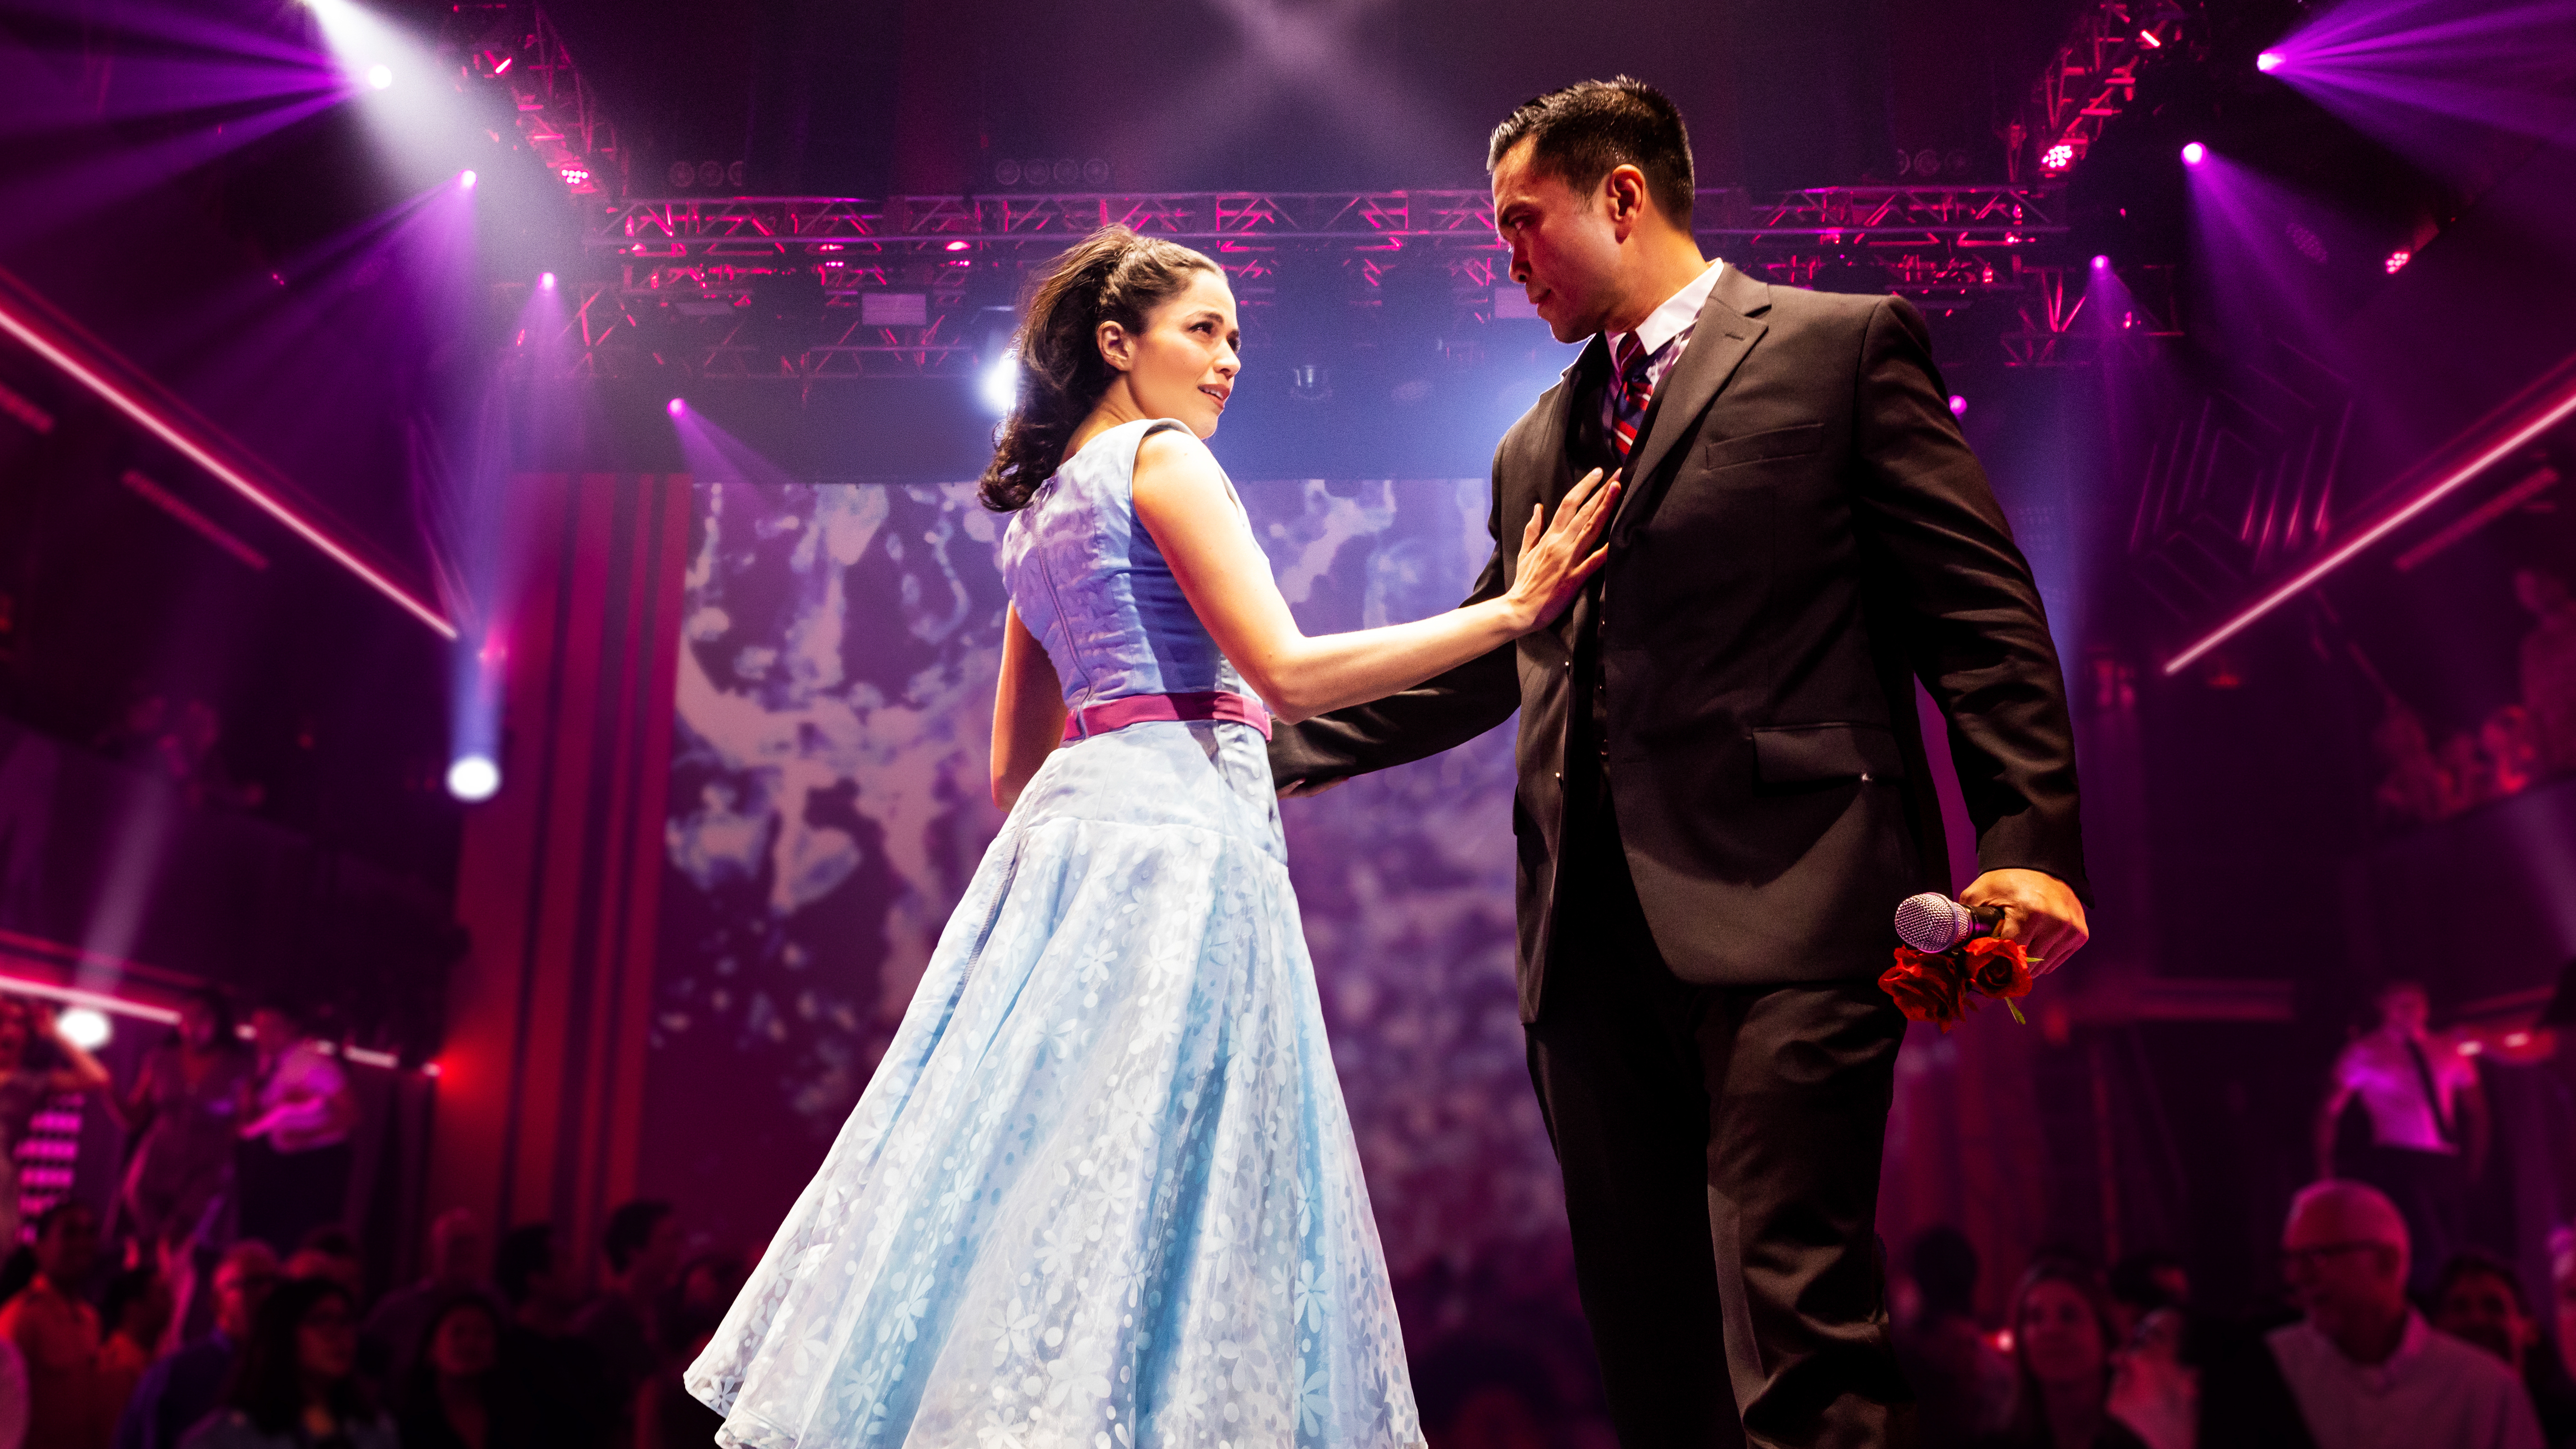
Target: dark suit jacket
point(1804, 534)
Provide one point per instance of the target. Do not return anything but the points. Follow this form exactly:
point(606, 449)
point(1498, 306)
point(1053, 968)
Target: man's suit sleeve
point(1943, 566)
point(1440, 713)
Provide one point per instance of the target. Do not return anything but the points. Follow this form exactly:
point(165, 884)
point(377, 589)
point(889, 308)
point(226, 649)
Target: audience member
point(1961, 1384)
point(185, 1386)
point(331, 1251)
point(184, 1115)
point(2428, 1123)
point(2143, 1282)
point(458, 1264)
point(293, 1163)
point(136, 1315)
point(2155, 1390)
point(641, 1248)
point(297, 1385)
point(458, 1395)
point(667, 1416)
point(56, 1331)
point(2062, 1338)
point(2361, 1369)
point(540, 1346)
point(2479, 1300)
point(26, 1086)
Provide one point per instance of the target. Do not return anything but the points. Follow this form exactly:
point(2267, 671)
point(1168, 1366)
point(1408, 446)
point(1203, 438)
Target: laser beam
point(154, 420)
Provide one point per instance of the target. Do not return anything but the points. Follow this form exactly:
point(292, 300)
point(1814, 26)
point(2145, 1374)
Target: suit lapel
point(1546, 458)
point(1727, 328)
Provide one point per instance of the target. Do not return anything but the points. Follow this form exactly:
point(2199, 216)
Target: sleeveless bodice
point(1092, 587)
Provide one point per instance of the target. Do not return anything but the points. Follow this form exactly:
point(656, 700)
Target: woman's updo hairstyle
point(1112, 275)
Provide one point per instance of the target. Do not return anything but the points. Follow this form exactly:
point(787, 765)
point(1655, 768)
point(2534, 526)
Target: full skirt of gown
point(1102, 1190)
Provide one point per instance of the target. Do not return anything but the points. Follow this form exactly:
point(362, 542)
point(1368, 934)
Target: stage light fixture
point(2397, 261)
point(85, 1027)
point(2057, 157)
point(1006, 172)
point(546, 280)
point(2193, 153)
point(676, 407)
point(1958, 406)
point(474, 779)
point(958, 246)
point(2101, 263)
point(465, 181)
point(2268, 62)
point(380, 76)
point(683, 173)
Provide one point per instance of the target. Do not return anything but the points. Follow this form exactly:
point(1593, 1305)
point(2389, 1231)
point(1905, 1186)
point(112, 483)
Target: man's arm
point(1440, 713)
point(1946, 569)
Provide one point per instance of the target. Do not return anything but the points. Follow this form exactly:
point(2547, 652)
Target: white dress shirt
point(1671, 322)
point(2435, 1392)
point(2380, 1070)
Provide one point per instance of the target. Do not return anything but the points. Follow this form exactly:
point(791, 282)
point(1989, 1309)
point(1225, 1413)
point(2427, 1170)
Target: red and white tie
point(1636, 389)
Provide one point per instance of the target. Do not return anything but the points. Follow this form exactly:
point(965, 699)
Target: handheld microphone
point(1932, 922)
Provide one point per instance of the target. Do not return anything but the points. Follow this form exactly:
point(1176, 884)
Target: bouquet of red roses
point(1942, 987)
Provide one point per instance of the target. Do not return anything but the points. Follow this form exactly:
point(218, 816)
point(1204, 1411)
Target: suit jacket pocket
point(1762, 447)
point(1819, 753)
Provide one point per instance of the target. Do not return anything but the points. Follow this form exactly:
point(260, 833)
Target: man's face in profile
point(1565, 252)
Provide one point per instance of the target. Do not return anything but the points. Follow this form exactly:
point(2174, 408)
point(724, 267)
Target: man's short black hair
point(2478, 1263)
point(1583, 132)
point(630, 1230)
point(525, 1251)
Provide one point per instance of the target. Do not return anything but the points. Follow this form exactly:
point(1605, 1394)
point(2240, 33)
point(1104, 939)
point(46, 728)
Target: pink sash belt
point(1118, 714)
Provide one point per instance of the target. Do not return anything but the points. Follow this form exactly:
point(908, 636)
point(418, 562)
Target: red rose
point(1926, 988)
point(1998, 967)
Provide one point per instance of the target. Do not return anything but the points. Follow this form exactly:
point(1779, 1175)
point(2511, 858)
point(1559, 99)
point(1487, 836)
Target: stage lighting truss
point(515, 48)
point(2060, 328)
point(674, 281)
point(2091, 78)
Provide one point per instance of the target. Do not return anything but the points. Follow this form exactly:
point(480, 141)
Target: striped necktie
point(1636, 389)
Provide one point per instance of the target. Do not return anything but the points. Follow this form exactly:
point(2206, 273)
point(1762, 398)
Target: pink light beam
point(2550, 415)
point(169, 430)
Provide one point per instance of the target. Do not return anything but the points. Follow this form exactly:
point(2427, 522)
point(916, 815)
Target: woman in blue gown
point(1102, 1191)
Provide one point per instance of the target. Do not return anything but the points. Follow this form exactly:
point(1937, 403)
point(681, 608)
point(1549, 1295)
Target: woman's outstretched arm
point(1028, 711)
point(1182, 499)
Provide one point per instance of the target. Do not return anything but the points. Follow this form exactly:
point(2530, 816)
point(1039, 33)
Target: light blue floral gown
point(1102, 1192)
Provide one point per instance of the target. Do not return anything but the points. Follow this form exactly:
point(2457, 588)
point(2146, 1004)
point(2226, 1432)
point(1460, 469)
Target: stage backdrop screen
point(829, 802)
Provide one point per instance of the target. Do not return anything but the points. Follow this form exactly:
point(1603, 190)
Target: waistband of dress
point(1118, 714)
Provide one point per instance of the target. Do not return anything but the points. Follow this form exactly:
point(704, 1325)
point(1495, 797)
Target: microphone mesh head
point(1932, 922)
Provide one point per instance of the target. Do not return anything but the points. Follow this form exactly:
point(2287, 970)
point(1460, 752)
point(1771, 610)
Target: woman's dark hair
point(266, 1384)
point(419, 1391)
point(2028, 1423)
point(219, 1005)
point(1112, 275)
point(1589, 129)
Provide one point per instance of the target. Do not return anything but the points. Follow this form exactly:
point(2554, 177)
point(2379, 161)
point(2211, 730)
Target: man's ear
point(1116, 345)
point(1624, 192)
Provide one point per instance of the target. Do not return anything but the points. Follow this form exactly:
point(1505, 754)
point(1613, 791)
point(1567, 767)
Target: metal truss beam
point(2061, 328)
point(513, 46)
point(2090, 79)
point(783, 287)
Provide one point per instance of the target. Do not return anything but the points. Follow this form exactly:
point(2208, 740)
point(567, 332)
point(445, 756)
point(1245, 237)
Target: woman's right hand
point(1558, 554)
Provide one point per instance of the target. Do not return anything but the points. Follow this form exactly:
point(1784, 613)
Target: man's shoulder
point(2463, 1363)
point(1807, 307)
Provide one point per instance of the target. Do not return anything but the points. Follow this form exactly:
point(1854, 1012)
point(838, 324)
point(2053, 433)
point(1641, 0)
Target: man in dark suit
point(1723, 793)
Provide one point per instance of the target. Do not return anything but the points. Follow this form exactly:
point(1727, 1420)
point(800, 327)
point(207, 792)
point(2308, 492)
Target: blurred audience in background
point(639, 1256)
point(1962, 1383)
point(296, 1383)
point(459, 1266)
point(2479, 1300)
point(184, 1116)
point(2361, 1366)
point(184, 1386)
point(2064, 1337)
point(294, 1157)
point(56, 1331)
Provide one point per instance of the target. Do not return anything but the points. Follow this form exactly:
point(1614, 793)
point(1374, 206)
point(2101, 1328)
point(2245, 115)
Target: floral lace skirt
point(1102, 1191)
